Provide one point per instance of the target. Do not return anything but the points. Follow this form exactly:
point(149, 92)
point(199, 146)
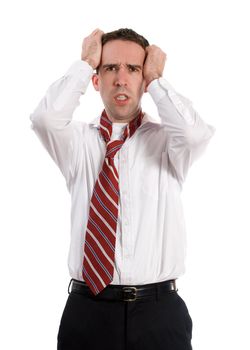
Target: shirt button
point(126, 222)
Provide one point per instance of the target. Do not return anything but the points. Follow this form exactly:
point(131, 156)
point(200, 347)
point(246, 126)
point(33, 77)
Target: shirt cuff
point(159, 88)
point(79, 65)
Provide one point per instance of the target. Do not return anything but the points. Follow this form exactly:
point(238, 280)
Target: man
point(125, 173)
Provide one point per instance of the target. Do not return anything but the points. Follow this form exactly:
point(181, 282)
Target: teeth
point(121, 97)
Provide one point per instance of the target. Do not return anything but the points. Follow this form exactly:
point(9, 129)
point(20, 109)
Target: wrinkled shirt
point(152, 167)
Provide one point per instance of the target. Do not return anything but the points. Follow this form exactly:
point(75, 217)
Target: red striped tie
point(99, 247)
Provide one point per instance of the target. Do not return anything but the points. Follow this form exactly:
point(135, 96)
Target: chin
point(122, 113)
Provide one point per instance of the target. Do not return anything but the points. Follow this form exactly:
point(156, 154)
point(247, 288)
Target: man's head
point(119, 77)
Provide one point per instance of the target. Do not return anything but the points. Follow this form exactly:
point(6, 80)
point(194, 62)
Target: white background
point(207, 44)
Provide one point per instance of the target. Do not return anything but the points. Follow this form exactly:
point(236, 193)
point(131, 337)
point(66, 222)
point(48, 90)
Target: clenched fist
point(154, 64)
point(92, 48)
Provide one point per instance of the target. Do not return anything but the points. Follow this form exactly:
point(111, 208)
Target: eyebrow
point(138, 66)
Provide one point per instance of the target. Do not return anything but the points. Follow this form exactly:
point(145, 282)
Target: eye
point(133, 68)
point(111, 68)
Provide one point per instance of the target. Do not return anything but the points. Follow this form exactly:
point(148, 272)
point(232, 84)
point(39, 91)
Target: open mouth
point(121, 99)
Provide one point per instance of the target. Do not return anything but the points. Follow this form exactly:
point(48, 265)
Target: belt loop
point(175, 286)
point(157, 291)
point(70, 285)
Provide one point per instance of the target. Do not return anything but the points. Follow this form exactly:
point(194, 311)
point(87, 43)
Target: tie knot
point(113, 147)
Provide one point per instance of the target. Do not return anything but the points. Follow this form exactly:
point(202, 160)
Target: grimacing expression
point(120, 79)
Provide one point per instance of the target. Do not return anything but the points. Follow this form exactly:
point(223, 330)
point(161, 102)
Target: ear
point(95, 81)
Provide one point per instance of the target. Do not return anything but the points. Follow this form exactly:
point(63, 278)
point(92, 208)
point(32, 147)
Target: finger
point(95, 31)
point(98, 32)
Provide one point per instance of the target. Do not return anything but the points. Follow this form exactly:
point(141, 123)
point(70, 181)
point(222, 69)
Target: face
point(120, 79)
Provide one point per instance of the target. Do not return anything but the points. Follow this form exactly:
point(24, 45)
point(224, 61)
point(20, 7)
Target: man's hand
point(92, 48)
point(154, 64)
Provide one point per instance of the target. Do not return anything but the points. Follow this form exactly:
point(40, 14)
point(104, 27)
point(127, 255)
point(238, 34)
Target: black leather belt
point(125, 293)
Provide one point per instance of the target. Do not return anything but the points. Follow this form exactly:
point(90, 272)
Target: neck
point(119, 119)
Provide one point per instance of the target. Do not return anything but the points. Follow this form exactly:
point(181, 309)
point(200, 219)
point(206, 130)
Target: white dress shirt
point(152, 166)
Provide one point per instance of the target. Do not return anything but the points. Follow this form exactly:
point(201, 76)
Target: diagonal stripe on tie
point(92, 274)
point(103, 215)
point(100, 246)
point(110, 171)
point(103, 206)
point(100, 279)
point(90, 281)
point(112, 150)
point(107, 195)
point(110, 204)
point(98, 260)
point(98, 231)
point(108, 183)
point(97, 217)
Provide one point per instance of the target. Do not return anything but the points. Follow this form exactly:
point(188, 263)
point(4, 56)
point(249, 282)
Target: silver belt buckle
point(129, 293)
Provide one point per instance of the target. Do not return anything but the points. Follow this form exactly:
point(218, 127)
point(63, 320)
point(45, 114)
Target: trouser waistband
point(125, 292)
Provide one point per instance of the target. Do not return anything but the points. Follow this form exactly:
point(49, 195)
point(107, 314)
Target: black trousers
point(160, 324)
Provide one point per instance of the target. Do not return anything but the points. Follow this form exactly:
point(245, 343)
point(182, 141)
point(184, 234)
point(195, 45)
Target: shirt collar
point(95, 123)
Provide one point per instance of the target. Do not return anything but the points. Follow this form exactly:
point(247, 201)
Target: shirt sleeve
point(52, 118)
point(187, 134)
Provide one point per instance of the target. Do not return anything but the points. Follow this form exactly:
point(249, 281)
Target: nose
point(121, 77)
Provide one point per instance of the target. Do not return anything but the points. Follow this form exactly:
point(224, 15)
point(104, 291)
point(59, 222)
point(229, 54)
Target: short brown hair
point(125, 34)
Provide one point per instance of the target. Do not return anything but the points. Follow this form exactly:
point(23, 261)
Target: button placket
point(126, 231)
